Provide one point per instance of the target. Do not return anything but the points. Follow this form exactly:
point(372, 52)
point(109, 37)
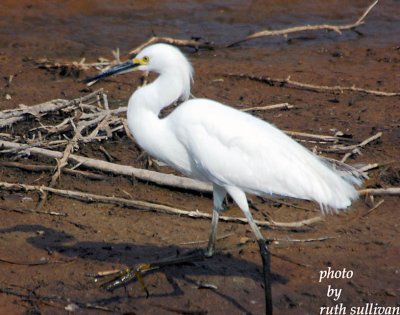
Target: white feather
point(216, 143)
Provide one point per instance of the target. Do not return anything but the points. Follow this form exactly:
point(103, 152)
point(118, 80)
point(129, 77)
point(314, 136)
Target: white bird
point(235, 151)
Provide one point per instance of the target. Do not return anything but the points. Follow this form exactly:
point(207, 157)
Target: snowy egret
point(236, 152)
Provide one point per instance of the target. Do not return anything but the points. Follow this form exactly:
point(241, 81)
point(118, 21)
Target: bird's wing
point(232, 148)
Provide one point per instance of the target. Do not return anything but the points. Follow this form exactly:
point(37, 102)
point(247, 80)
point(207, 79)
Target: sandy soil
point(95, 237)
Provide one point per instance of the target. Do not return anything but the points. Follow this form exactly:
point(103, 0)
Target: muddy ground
point(95, 237)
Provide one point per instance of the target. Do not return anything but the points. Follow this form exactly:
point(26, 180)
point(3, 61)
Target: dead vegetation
point(89, 119)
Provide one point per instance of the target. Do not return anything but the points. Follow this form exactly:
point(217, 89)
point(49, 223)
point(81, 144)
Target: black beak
point(118, 69)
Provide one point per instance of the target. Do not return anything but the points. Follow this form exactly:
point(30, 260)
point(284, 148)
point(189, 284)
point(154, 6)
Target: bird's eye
point(146, 59)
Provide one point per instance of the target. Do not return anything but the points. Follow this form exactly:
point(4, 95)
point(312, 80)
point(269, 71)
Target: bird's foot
point(209, 252)
point(122, 277)
point(118, 278)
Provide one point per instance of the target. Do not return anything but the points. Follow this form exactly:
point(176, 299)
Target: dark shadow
point(131, 254)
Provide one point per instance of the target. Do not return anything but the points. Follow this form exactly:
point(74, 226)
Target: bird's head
point(159, 58)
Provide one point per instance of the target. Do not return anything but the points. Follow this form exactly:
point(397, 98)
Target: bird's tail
point(344, 185)
point(349, 173)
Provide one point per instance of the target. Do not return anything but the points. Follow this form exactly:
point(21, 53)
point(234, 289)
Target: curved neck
point(144, 107)
point(164, 91)
point(151, 133)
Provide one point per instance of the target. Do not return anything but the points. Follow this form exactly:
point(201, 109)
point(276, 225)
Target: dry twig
point(391, 191)
point(315, 136)
point(74, 68)
point(299, 240)
point(368, 167)
point(355, 148)
point(109, 157)
point(25, 263)
point(145, 175)
point(205, 241)
point(192, 43)
point(25, 210)
point(336, 28)
point(61, 163)
point(153, 206)
point(33, 296)
point(268, 107)
point(48, 168)
point(9, 117)
point(374, 208)
point(288, 82)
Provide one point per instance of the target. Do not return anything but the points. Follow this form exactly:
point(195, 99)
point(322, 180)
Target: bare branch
point(27, 263)
point(26, 210)
point(61, 163)
point(192, 43)
point(267, 107)
point(307, 86)
point(9, 117)
point(299, 240)
point(336, 28)
point(355, 148)
point(145, 175)
point(49, 168)
point(153, 206)
point(391, 191)
point(314, 136)
point(54, 301)
point(374, 207)
point(368, 167)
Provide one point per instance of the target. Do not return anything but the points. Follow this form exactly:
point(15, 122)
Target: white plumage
point(213, 142)
point(235, 151)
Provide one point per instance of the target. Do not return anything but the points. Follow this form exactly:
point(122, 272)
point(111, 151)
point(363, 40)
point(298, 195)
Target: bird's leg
point(264, 252)
point(219, 194)
point(213, 235)
point(124, 276)
point(240, 198)
point(265, 256)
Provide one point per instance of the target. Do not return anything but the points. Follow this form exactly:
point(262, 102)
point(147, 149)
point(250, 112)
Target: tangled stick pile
point(61, 126)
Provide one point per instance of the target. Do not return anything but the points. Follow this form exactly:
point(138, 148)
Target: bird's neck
point(144, 107)
point(164, 91)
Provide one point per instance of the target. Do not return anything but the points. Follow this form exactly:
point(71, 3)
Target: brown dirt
point(98, 237)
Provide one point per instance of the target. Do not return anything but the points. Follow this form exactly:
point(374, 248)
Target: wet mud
point(45, 260)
